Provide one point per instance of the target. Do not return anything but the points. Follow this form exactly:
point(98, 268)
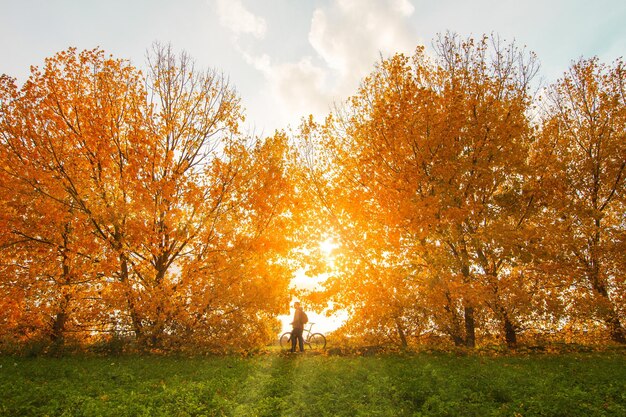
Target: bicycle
point(315, 341)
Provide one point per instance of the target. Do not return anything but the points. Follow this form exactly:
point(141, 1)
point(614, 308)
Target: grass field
point(276, 384)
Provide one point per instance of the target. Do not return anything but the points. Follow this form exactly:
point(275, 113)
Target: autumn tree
point(238, 274)
point(62, 133)
point(485, 196)
point(430, 169)
point(365, 277)
point(133, 205)
point(190, 116)
point(152, 193)
point(585, 148)
point(213, 213)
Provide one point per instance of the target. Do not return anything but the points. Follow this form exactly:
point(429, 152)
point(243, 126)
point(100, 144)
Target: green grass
point(582, 384)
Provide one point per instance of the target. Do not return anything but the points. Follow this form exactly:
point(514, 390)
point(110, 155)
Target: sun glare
point(320, 321)
point(327, 246)
point(301, 281)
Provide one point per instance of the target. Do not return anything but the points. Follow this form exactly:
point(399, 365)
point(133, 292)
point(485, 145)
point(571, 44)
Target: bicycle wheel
point(285, 340)
point(317, 341)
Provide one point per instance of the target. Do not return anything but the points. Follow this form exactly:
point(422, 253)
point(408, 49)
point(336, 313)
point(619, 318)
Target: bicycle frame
point(312, 340)
point(308, 332)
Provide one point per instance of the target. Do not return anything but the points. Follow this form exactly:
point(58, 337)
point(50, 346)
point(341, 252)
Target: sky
point(291, 58)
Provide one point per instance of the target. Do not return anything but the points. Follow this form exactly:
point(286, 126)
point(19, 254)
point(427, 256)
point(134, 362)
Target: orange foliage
point(139, 213)
point(583, 142)
point(439, 192)
point(132, 207)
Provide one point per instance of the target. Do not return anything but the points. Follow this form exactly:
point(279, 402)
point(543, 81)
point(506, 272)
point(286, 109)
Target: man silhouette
point(297, 328)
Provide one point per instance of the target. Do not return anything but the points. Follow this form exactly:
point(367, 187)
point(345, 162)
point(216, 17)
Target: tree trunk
point(470, 324)
point(57, 334)
point(616, 329)
point(470, 327)
point(458, 340)
point(401, 333)
point(510, 334)
point(58, 327)
point(454, 331)
point(134, 316)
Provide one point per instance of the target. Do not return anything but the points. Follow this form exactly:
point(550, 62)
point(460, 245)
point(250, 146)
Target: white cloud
point(403, 6)
point(295, 84)
point(348, 38)
point(349, 35)
point(238, 19)
point(300, 87)
point(292, 89)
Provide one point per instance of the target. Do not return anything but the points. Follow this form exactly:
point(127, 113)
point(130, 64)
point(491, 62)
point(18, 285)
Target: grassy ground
point(275, 384)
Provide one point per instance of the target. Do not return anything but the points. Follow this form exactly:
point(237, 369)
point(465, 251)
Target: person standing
point(299, 320)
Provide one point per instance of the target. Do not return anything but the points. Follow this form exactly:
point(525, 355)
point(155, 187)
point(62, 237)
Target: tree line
point(134, 209)
point(472, 206)
point(469, 206)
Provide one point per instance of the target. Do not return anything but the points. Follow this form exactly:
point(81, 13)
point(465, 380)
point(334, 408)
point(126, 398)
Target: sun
point(301, 281)
point(327, 246)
